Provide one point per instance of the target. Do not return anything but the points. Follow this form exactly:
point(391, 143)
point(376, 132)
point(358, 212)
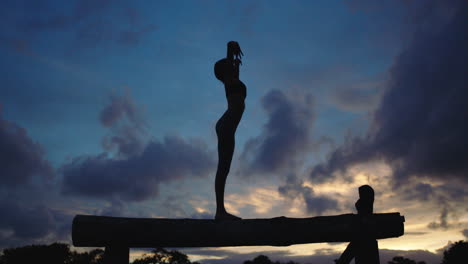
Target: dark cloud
point(443, 221)
point(92, 23)
point(203, 215)
point(465, 233)
point(27, 223)
point(24, 175)
point(419, 127)
point(448, 198)
point(116, 208)
point(22, 158)
point(447, 217)
point(357, 98)
point(316, 204)
point(418, 255)
point(418, 191)
point(139, 165)
point(137, 177)
point(126, 125)
point(415, 233)
point(416, 15)
point(121, 107)
point(284, 137)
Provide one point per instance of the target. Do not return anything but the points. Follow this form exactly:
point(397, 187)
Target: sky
point(108, 108)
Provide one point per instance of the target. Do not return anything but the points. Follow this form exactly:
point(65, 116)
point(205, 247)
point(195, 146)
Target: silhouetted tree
point(262, 259)
point(162, 256)
point(402, 260)
point(56, 253)
point(457, 253)
point(93, 257)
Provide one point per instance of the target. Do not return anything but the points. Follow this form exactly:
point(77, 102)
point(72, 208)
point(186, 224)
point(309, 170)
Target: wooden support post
point(365, 247)
point(116, 254)
point(367, 251)
point(347, 255)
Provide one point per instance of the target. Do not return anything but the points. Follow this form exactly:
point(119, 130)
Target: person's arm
point(237, 62)
point(234, 55)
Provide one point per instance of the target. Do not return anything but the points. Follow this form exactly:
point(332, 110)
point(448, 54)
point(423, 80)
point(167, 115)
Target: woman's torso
point(237, 87)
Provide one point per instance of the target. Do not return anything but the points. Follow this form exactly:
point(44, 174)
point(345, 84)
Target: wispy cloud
point(284, 137)
point(315, 204)
point(139, 167)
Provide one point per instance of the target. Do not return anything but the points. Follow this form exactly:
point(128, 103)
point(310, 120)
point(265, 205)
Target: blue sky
point(108, 107)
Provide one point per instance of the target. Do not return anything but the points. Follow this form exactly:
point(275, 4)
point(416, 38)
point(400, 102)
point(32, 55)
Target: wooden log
point(99, 231)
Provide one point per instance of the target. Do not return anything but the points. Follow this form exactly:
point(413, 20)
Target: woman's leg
point(225, 130)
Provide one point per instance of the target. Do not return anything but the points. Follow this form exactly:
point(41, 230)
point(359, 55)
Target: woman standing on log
point(227, 71)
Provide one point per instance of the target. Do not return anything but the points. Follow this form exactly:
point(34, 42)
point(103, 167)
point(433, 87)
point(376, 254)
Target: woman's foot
point(226, 216)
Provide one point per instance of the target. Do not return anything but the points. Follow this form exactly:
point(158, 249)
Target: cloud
point(419, 127)
point(202, 215)
point(91, 23)
point(126, 125)
point(443, 223)
point(357, 97)
point(420, 191)
point(22, 158)
point(139, 166)
point(447, 198)
point(447, 211)
point(465, 233)
point(284, 137)
point(120, 107)
point(24, 175)
point(116, 208)
point(27, 223)
point(315, 204)
point(137, 177)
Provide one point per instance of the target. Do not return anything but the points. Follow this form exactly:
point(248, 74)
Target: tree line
point(60, 253)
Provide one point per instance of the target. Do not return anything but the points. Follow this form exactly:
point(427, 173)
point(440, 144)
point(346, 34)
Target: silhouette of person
point(227, 71)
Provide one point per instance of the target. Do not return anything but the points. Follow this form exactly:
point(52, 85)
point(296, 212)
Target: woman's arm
point(232, 63)
point(237, 63)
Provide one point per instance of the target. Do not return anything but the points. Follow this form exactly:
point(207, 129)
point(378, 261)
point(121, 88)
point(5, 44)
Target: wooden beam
point(99, 231)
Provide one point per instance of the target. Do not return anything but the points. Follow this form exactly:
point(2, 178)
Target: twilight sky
point(108, 107)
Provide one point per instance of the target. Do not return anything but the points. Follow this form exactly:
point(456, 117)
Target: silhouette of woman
point(227, 71)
